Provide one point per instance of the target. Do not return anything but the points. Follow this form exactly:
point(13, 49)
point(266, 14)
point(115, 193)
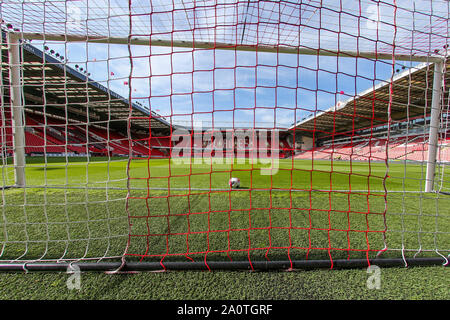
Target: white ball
point(234, 183)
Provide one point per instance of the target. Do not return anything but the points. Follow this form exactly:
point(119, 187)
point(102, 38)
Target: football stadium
point(225, 142)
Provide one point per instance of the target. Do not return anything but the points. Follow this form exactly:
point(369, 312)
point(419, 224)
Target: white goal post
point(347, 100)
point(17, 109)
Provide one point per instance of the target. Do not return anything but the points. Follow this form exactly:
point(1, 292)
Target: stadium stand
point(358, 129)
point(79, 130)
point(398, 148)
point(97, 126)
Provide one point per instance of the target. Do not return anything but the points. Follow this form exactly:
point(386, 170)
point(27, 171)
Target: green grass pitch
point(79, 209)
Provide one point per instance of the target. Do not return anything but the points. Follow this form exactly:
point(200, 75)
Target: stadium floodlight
point(148, 134)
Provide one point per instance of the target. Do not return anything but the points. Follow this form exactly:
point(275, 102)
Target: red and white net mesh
point(320, 108)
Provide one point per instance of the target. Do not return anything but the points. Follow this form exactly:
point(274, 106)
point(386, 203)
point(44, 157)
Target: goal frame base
point(220, 265)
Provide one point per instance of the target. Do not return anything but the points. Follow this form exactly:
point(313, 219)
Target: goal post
point(434, 125)
point(125, 126)
point(279, 48)
point(17, 109)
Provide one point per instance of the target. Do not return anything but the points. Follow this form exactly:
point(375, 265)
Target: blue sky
point(240, 88)
point(219, 86)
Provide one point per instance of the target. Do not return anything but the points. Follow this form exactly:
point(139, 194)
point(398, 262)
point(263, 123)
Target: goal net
point(124, 122)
